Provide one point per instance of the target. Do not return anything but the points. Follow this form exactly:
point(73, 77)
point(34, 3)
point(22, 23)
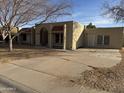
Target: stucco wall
point(69, 33)
point(77, 35)
point(115, 34)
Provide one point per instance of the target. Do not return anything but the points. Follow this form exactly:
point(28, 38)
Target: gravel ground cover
point(107, 79)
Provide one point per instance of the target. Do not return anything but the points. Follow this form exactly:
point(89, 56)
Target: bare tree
point(115, 11)
point(17, 13)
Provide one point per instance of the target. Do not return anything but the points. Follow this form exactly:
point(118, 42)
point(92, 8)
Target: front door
point(44, 37)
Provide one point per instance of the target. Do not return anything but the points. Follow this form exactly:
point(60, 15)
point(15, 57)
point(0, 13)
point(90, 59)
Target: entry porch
point(54, 37)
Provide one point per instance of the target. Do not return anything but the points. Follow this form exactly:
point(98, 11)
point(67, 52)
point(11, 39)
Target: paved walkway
point(56, 74)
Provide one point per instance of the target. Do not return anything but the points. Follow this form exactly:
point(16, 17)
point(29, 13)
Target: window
point(103, 40)
point(99, 40)
point(24, 37)
point(1, 39)
point(59, 38)
point(106, 40)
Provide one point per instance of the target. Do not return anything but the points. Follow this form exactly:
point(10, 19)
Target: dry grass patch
point(24, 53)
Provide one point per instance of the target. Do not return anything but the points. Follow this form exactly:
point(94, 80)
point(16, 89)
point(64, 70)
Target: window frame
point(98, 41)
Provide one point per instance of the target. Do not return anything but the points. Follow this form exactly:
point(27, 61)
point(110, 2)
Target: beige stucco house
point(72, 35)
point(64, 35)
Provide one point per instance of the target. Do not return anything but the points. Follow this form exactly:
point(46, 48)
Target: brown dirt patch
point(107, 79)
point(25, 53)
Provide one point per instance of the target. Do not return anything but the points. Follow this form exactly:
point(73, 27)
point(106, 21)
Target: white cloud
point(98, 21)
point(103, 22)
point(78, 14)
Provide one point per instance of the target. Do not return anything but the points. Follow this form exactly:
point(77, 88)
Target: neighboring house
point(104, 37)
point(26, 36)
point(72, 35)
point(14, 31)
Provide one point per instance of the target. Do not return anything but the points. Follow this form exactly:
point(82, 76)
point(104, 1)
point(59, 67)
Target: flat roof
point(108, 27)
point(71, 21)
point(54, 22)
point(100, 28)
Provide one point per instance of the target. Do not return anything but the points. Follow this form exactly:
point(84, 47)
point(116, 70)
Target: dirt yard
point(107, 79)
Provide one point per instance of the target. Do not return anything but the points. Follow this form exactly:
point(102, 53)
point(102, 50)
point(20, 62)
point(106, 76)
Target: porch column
point(64, 37)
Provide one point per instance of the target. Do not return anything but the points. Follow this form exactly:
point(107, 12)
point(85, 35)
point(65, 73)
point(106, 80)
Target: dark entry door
point(44, 37)
point(58, 40)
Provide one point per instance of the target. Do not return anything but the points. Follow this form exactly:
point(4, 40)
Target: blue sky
point(86, 11)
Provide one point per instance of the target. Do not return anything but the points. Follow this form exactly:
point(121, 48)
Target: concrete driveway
point(56, 74)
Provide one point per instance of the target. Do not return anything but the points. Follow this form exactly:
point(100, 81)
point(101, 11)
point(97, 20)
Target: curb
point(21, 88)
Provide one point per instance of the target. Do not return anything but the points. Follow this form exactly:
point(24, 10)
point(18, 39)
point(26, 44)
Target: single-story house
point(72, 35)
